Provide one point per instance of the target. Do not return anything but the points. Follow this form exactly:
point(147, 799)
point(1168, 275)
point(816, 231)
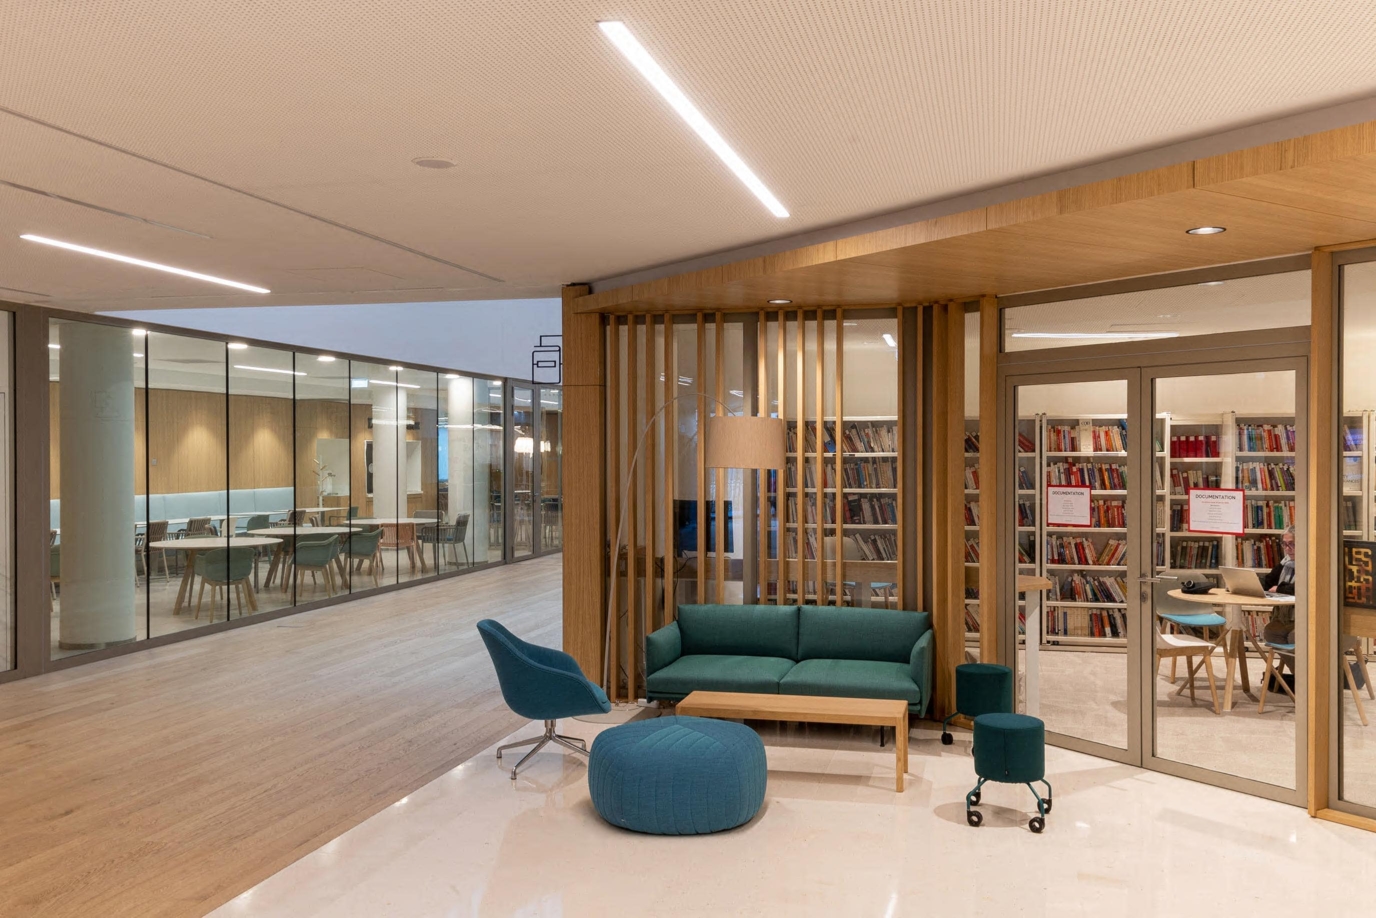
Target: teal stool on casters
point(1010, 749)
point(981, 688)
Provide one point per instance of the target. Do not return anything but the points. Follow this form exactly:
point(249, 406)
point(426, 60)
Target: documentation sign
point(1217, 511)
point(1068, 505)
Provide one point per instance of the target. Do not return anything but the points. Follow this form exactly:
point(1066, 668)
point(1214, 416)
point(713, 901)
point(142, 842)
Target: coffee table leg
point(901, 749)
point(184, 589)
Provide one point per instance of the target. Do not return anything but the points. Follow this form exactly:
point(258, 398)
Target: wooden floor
point(167, 782)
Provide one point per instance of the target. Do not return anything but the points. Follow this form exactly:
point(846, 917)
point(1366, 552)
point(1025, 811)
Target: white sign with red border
point(1216, 511)
point(1068, 505)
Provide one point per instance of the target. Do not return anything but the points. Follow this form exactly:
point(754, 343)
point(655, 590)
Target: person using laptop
point(1281, 579)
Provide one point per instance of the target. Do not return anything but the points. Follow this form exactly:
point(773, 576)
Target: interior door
point(1073, 445)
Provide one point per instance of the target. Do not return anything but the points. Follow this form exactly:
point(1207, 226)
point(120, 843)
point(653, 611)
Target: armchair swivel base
point(572, 743)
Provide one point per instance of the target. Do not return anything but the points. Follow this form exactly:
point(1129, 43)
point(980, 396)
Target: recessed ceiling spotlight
point(451, 375)
point(434, 162)
point(55, 347)
point(649, 68)
point(779, 302)
point(138, 332)
point(396, 369)
point(137, 354)
point(325, 358)
point(128, 260)
point(1168, 315)
point(1207, 230)
point(1211, 284)
point(237, 346)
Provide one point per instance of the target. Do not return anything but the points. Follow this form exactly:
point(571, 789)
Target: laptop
point(1244, 582)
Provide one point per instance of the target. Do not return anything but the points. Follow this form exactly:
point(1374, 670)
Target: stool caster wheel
point(974, 817)
point(1036, 824)
point(975, 798)
point(1046, 804)
point(947, 739)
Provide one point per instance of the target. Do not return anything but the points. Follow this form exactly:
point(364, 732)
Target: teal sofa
point(793, 650)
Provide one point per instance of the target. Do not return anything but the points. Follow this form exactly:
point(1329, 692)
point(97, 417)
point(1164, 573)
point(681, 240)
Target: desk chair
point(452, 536)
point(1174, 645)
point(363, 547)
point(316, 556)
point(223, 569)
point(1178, 616)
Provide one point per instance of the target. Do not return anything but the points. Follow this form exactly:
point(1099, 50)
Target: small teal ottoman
point(1010, 749)
point(981, 688)
point(677, 775)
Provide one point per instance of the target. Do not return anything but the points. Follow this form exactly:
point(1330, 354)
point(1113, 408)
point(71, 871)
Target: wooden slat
point(719, 530)
point(648, 460)
point(614, 500)
point(942, 510)
point(762, 494)
point(840, 489)
point(1323, 411)
point(990, 488)
point(781, 490)
point(633, 425)
point(902, 471)
point(670, 476)
point(918, 414)
point(799, 416)
point(819, 492)
point(951, 639)
point(699, 380)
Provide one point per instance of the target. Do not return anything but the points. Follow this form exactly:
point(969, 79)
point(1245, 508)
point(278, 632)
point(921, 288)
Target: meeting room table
point(286, 537)
point(1235, 636)
point(403, 529)
point(197, 544)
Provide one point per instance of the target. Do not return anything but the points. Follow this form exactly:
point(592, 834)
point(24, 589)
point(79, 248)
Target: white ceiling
point(283, 132)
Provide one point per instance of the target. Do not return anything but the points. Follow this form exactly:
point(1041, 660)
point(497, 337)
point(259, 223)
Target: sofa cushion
point(758, 631)
point(851, 679)
point(839, 633)
point(719, 673)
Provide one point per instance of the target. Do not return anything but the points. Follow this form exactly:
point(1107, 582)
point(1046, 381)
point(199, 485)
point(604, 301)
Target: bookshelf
point(867, 519)
point(1026, 534)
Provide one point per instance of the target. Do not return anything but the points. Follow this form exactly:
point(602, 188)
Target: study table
point(1235, 637)
point(1032, 587)
point(197, 544)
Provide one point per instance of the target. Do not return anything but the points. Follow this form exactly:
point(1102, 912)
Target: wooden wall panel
point(989, 599)
point(260, 442)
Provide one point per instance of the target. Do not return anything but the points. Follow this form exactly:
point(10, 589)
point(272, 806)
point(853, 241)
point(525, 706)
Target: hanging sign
point(1216, 511)
point(1068, 505)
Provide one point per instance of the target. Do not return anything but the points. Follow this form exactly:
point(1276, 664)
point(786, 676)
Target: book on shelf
point(1195, 553)
point(1082, 550)
point(1184, 479)
point(972, 478)
point(971, 513)
point(1081, 438)
point(972, 442)
point(870, 437)
point(1352, 475)
point(1077, 587)
point(1270, 514)
point(1259, 551)
point(1027, 513)
point(1265, 476)
point(1025, 480)
point(972, 551)
point(1025, 444)
point(1352, 439)
point(1088, 623)
point(1351, 516)
point(1107, 514)
point(860, 509)
point(1100, 476)
point(1266, 438)
point(1023, 556)
point(1195, 446)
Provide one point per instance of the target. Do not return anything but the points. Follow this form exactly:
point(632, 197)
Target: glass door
point(1078, 551)
point(1225, 680)
point(523, 471)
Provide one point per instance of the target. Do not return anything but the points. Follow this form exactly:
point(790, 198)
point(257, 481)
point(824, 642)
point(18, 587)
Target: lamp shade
point(739, 442)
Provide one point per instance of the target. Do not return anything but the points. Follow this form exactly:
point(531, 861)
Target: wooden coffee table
point(808, 709)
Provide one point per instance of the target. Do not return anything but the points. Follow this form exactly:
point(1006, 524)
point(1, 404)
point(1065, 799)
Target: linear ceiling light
point(239, 366)
point(635, 52)
point(388, 382)
point(1125, 336)
point(85, 250)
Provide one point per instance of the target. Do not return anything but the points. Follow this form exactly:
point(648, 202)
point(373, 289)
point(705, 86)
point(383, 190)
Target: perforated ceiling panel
point(295, 124)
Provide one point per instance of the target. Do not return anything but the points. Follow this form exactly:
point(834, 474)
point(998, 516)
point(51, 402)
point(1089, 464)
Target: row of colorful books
point(862, 473)
point(1087, 438)
point(1100, 476)
point(1077, 587)
point(1184, 479)
point(1266, 438)
point(1082, 550)
point(1096, 623)
point(1265, 476)
point(1195, 553)
point(1196, 446)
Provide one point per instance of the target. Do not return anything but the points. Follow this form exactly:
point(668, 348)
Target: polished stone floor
point(832, 839)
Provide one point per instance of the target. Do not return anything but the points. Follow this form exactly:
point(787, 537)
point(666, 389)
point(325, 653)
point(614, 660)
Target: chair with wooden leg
point(316, 556)
point(1175, 645)
point(157, 532)
point(1355, 669)
point(365, 547)
point(225, 569)
point(1179, 616)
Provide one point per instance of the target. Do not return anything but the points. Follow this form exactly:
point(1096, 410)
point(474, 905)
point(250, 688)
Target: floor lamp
point(733, 441)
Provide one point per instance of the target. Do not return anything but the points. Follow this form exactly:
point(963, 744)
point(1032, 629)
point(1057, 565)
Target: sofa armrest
point(662, 648)
point(920, 668)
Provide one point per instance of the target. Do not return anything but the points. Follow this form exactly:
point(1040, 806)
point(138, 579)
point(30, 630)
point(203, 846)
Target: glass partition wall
point(195, 481)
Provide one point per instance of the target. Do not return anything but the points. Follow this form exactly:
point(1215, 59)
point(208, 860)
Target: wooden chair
point(156, 531)
point(316, 556)
point(1172, 646)
point(198, 526)
point(222, 569)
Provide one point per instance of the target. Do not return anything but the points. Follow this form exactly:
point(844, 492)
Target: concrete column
point(389, 451)
point(459, 406)
point(96, 481)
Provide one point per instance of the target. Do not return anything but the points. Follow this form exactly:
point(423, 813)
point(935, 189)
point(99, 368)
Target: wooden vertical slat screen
point(951, 612)
point(613, 649)
point(762, 409)
point(838, 410)
point(651, 477)
point(781, 489)
point(700, 382)
point(989, 599)
point(944, 689)
point(633, 428)
point(819, 489)
point(799, 420)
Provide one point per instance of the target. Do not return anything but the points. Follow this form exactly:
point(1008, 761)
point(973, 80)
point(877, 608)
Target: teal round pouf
point(983, 688)
point(677, 775)
point(1010, 748)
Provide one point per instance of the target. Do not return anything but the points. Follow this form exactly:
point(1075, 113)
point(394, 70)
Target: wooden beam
point(990, 488)
point(943, 701)
point(585, 527)
point(950, 649)
point(1323, 411)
